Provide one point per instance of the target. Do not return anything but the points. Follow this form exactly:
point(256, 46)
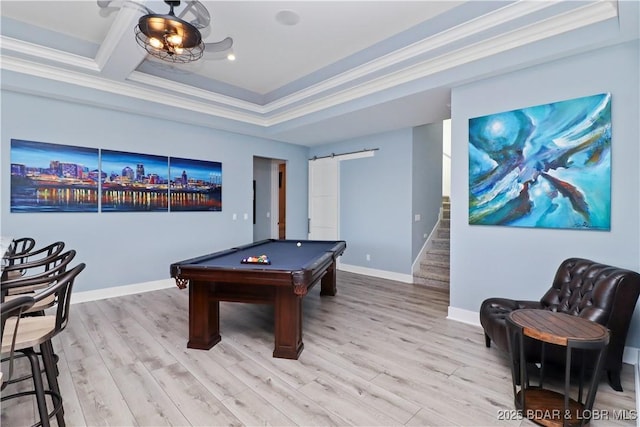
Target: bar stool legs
point(37, 331)
point(51, 371)
point(39, 390)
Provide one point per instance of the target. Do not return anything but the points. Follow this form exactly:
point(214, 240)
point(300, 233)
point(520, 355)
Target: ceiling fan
point(171, 37)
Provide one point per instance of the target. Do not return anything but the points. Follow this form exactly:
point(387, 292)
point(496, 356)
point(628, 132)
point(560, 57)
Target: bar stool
point(12, 310)
point(38, 331)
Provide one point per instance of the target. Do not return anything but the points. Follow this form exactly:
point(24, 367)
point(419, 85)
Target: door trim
point(274, 199)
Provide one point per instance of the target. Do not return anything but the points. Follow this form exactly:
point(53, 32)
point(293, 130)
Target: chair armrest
point(507, 305)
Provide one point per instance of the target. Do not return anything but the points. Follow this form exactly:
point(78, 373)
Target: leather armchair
point(598, 292)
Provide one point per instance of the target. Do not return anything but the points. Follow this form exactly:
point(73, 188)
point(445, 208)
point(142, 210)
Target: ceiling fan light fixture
point(174, 39)
point(156, 43)
point(169, 38)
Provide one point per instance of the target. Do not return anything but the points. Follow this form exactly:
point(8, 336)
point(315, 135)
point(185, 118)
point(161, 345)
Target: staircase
point(434, 267)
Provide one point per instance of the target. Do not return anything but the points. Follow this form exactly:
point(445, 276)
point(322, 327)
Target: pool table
point(294, 267)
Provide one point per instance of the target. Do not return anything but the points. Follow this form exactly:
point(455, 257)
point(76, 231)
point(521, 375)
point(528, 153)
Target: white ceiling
point(269, 54)
point(347, 69)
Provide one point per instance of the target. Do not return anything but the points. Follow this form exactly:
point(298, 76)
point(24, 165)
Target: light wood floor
point(380, 353)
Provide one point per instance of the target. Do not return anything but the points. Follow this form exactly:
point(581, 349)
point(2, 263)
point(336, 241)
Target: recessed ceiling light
point(287, 17)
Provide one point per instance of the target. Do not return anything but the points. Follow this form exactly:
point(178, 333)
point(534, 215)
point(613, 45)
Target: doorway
point(269, 198)
point(282, 200)
point(324, 193)
point(324, 198)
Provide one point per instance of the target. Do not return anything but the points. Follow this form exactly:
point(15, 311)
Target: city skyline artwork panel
point(134, 182)
point(195, 185)
point(546, 166)
point(47, 177)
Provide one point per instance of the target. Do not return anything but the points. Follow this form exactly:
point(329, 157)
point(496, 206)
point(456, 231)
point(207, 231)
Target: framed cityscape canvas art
point(545, 166)
point(195, 185)
point(49, 177)
point(134, 182)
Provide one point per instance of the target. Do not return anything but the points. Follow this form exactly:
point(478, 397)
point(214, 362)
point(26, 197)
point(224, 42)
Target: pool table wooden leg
point(328, 281)
point(204, 317)
point(288, 324)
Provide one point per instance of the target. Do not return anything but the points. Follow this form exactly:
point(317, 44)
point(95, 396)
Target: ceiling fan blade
point(108, 6)
point(199, 13)
point(222, 45)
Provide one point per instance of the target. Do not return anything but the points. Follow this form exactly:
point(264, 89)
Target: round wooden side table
point(537, 403)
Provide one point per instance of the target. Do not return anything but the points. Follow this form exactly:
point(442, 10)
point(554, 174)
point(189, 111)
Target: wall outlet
point(368, 257)
point(246, 216)
point(416, 217)
point(234, 216)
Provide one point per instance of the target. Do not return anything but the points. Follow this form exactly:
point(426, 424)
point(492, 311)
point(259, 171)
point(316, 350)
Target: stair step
point(436, 284)
point(432, 275)
point(436, 262)
point(434, 271)
point(443, 233)
point(434, 268)
point(440, 244)
point(437, 255)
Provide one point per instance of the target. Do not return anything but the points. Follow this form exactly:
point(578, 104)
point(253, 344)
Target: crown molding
point(311, 100)
point(470, 28)
point(559, 24)
point(429, 44)
point(125, 89)
point(181, 88)
point(22, 47)
point(582, 16)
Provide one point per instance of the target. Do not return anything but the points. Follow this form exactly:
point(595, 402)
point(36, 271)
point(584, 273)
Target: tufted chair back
point(598, 292)
point(586, 289)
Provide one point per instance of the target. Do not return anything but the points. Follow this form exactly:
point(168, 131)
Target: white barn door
point(323, 198)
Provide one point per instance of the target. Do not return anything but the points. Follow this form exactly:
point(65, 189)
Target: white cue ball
point(298, 244)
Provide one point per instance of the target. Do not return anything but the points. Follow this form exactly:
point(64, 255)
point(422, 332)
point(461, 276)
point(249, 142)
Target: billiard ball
point(298, 244)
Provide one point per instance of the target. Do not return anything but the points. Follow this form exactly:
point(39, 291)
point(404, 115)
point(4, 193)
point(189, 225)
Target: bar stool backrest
point(13, 308)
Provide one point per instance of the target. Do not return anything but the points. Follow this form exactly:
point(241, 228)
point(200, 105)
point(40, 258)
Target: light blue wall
point(375, 201)
point(426, 187)
point(128, 248)
point(520, 263)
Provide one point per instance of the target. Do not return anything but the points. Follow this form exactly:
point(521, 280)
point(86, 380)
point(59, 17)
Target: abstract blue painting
point(546, 166)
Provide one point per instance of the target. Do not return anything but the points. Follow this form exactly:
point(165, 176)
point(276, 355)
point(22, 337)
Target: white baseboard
point(465, 316)
point(383, 274)
point(119, 291)
point(631, 355)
